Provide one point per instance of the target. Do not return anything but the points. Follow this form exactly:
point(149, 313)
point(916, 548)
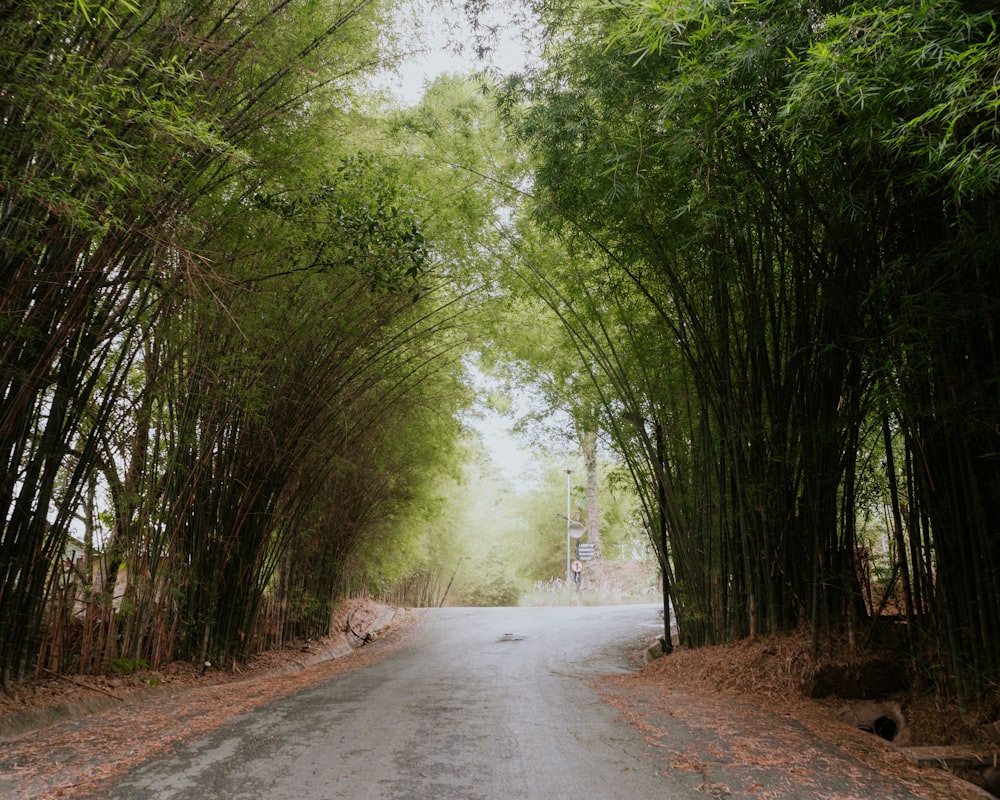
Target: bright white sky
point(448, 45)
point(515, 461)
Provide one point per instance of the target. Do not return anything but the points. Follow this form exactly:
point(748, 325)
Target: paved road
point(489, 704)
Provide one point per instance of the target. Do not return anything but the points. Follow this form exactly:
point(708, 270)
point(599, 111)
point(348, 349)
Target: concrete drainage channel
point(883, 719)
point(886, 720)
point(886, 727)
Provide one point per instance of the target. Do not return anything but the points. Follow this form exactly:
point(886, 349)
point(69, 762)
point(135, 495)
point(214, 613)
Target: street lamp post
point(574, 529)
point(569, 522)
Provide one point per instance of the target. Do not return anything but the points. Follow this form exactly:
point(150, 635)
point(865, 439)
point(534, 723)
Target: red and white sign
point(576, 566)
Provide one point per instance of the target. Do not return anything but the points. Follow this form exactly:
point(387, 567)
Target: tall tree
point(118, 121)
point(787, 189)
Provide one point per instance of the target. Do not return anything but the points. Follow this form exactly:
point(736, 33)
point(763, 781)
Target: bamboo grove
point(778, 258)
point(769, 228)
point(216, 309)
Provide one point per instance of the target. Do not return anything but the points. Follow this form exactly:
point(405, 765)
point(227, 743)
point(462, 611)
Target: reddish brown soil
point(774, 674)
point(119, 722)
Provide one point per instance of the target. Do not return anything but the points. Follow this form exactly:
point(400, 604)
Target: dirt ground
point(109, 725)
point(776, 675)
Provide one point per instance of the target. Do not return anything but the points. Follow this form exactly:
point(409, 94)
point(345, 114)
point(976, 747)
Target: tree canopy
point(784, 211)
point(747, 248)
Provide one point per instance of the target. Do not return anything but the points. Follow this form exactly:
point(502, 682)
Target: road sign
point(577, 566)
point(585, 552)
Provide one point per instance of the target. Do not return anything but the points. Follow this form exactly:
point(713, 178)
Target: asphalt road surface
point(488, 704)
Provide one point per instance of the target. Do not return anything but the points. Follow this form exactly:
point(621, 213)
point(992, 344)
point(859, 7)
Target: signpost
point(574, 528)
point(569, 521)
point(585, 552)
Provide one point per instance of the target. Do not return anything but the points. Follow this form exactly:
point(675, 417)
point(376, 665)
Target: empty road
point(488, 704)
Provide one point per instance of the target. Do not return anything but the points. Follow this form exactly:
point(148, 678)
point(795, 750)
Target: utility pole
point(569, 522)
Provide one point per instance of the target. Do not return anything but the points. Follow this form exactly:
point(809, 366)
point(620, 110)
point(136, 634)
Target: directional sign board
point(585, 552)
